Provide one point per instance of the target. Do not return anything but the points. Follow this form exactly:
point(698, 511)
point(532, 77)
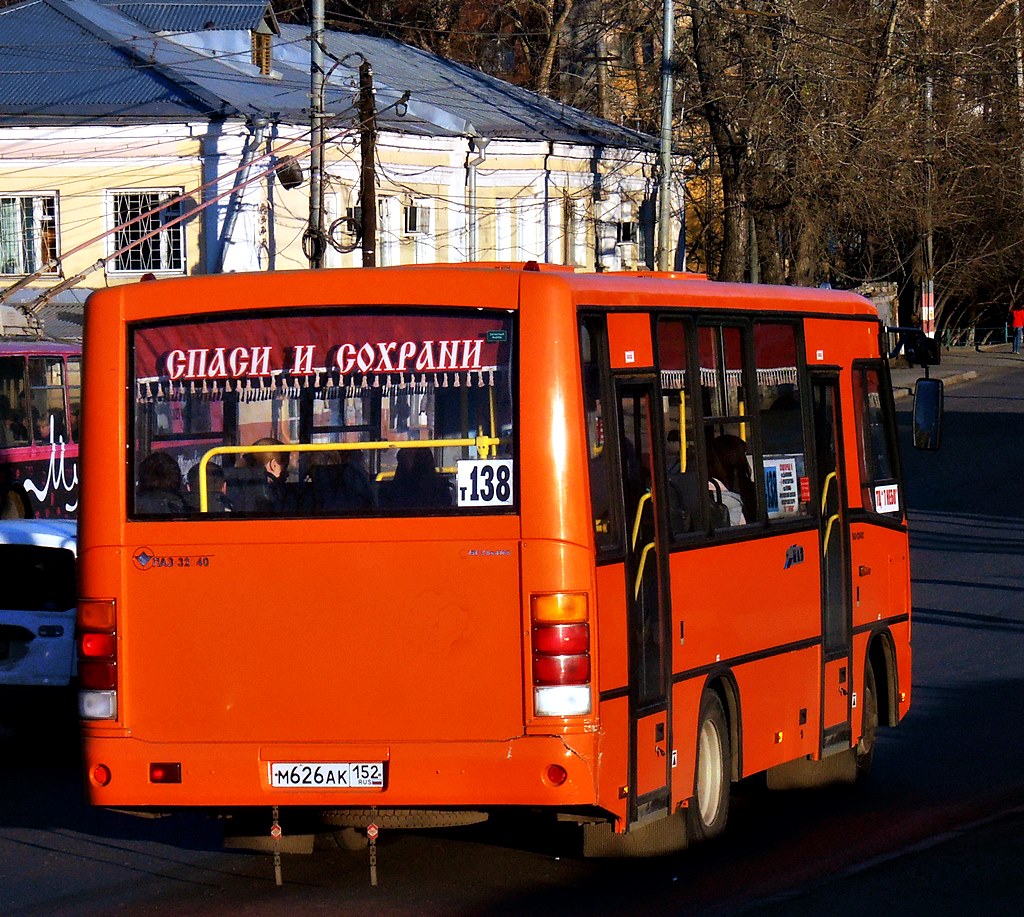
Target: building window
point(627, 229)
point(415, 219)
point(28, 233)
point(142, 239)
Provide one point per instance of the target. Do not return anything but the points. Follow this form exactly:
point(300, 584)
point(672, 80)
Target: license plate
point(324, 774)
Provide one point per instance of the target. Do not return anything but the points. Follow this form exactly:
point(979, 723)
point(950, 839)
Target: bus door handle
point(829, 478)
point(640, 569)
point(639, 514)
point(828, 532)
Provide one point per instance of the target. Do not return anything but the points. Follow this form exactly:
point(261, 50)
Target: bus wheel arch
point(877, 700)
point(881, 657)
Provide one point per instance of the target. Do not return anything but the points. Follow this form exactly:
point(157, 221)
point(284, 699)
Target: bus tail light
point(560, 654)
point(97, 659)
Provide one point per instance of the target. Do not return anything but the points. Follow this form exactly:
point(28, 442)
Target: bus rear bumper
point(529, 770)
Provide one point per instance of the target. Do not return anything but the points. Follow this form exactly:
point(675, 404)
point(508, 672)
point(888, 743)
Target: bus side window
point(46, 375)
point(880, 491)
point(731, 487)
point(782, 424)
point(13, 425)
point(681, 469)
point(603, 482)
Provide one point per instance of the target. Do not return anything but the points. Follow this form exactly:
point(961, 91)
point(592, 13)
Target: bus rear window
point(324, 413)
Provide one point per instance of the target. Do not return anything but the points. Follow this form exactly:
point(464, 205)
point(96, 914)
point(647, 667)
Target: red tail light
point(571, 639)
point(561, 670)
point(561, 654)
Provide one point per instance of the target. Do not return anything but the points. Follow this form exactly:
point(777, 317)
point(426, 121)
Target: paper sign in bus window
point(484, 482)
point(782, 486)
point(887, 498)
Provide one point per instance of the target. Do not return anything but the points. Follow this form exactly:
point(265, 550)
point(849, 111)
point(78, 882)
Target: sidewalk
point(959, 364)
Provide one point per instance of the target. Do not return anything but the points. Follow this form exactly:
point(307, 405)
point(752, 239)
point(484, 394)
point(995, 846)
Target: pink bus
point(40, 394)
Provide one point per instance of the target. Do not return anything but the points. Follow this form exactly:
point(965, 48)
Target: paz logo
point(142, 558)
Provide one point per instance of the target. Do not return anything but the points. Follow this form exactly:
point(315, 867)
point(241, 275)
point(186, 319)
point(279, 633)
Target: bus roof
point(37, 348)
point(413, 285)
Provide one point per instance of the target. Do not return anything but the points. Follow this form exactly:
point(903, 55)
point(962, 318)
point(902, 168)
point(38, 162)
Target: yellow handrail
point(484, 446)
point(824, 490)
point(640, 569)
point(636, 521)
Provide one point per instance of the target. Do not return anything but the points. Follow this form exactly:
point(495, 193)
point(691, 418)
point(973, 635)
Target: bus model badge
point(794, 555)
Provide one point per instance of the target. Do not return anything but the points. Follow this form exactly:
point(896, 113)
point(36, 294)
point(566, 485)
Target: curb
point(905, 391)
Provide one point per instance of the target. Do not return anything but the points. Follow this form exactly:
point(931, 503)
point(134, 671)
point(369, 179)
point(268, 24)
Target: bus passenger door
point(836, 635)
point(646, 594)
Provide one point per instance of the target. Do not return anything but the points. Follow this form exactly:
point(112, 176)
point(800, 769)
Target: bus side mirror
point(928, 397)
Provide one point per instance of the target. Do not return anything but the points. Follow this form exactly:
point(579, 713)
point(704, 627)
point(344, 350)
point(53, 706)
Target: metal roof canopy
point(139, 61)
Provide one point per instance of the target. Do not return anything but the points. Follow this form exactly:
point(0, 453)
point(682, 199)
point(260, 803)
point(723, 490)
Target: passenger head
point(275, 462)
point(415, 462)
point(214, 478)
point(159, 471)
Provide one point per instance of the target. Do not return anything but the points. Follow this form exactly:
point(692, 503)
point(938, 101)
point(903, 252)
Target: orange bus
point(406, 545)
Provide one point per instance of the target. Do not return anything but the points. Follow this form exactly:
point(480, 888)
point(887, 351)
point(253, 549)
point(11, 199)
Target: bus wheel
point(869, 728)
point(709, 809)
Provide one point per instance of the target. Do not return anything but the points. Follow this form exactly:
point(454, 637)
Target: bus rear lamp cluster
point(561, 654)
point(97, 659)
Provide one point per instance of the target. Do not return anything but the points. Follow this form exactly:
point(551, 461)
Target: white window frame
point(425, 237)
point(529, 229)
point(503, 230)
point(173, 258)
point(389, 243)
point(24, 252)
point(416, 218)
point(582, 256)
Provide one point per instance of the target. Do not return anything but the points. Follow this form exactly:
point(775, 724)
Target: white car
point(37, 601)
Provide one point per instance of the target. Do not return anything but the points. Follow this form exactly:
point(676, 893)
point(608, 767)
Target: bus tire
point(402, 818)
point(709, 808)
point(865, 751)
point(14, 504)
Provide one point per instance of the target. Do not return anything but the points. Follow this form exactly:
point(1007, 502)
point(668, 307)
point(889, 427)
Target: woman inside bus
point(417, 483)
point(727, 504)
point(159, 485)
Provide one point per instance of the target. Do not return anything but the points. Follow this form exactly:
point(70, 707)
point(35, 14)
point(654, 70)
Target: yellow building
point(176, 139)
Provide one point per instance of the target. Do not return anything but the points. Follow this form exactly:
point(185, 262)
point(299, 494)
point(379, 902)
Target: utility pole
point(928, 280)
point(367, 171)
point(314, 238)
point(665, 190)
point(1018, 35)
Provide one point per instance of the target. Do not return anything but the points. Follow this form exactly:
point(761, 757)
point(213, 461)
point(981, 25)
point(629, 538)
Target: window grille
point(151, 245)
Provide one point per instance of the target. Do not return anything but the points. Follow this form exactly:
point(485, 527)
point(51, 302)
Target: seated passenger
point(733, 469)
point(339, 482)
point(417, 483)
point(726, 505)
point(216, 489)
point(159, 485)
point(277, 496)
